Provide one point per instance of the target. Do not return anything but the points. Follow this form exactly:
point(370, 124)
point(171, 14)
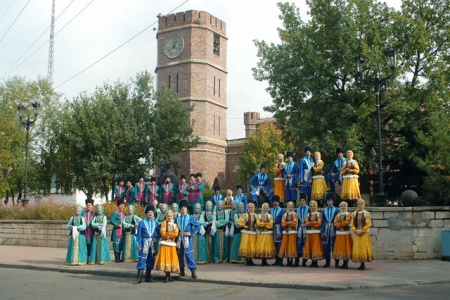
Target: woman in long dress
point(209, 215)
point(344, 242)
point(100, 252)
point(350, 188)
point(265, 246)
point(319, 186)
point(288, 248)
point(129, 247)
point(77, 249)
point(167, 259)
point(313, 245)
point(220, 221)
point(201, 252)
point(362, 246)
point(247, 223)
point(229, 230)
point(236, 241)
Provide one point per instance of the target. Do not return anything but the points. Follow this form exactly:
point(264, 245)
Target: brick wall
point(397, 232)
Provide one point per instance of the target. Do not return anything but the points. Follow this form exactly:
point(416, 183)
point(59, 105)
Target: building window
point(169, 81)
point(214, 86)
point(219, 125)
point(219, 88)
point(177, 83)
point(214, 126)
point(216, 44)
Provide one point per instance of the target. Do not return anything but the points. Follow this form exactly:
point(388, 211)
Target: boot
point(345, 264)
point(116, 257)
point(362, 267)
point(304, 262)
point(277, 262)
point(327, 262)
point(139, 276)
point(251, 262)
point(264, 262)
point(280, 260)
point(336, 263)
point(289, 262)
point(168, 278)
point(182, 272)
point(193, 275)
point(247, 262)
point(296, 263)
point(148, 275)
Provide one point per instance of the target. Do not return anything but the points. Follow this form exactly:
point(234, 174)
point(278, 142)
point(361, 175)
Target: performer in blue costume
point(304, 172)
point(229, 231)
point(131, 193)
point(129, 242)
point(147, 236)
point(234, 254)
point(76, 249)
point(218, 239)
point(240, 197)
point(277, 214)
point(334, 177)
point(328, 230)
point(202, 255)
point(302, 211)
point(116, 220)
point(260, 184)
point(290, 172)
point(216, 197)
point(100, 253)
point(189, 227)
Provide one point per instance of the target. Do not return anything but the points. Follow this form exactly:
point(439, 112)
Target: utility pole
point(50, 49)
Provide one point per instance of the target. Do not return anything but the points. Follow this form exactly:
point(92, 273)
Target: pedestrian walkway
point(379, 273)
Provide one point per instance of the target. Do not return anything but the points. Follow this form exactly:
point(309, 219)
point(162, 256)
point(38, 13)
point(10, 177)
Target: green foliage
point(46, 210)
point(262, 147)
point(318, 102)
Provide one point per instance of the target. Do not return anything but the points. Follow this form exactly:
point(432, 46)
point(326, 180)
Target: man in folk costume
point(290, 174)
point(183, 191)
point(240, 197)
point(131, 193)
point(328, 230)
point(260, 184)
point(277, 215)
point(216, 197)
point(153, 190)
point(141, 189)
point(198, 189)
point(279, 179)
point(147, 236)
point(302, 212)
point(89, 231)
point(116, 221)
point(120, 190)
point(188, 227)
point(167, 191)
point(334, 177)
point(304, 172)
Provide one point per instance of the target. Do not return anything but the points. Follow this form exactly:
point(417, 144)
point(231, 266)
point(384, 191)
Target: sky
point(89, 30)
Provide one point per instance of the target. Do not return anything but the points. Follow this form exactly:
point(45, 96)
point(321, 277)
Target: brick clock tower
point(192, 62)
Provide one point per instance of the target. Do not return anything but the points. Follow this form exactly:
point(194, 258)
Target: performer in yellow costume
point(265, 246)
point(247, 222)
point(319, 186)
point(344, 242)
point(279, 178)
point(289, 222)
point(313, 245)
point(362, 247)
point(350, 189)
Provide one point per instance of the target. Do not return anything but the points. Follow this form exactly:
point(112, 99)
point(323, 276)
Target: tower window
point(219, 88)
point(169, 81)
point(214, 86)
point(216, 44)
point(177, 83)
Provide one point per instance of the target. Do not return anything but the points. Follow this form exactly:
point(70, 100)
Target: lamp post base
point(381, 199)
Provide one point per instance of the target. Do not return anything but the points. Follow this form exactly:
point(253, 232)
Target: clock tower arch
point(192, 62)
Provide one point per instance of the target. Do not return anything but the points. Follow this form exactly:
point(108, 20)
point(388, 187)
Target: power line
point(36, 41)
point(14, 21)
point(7, 9)
point(47, 40)
point(117, 48)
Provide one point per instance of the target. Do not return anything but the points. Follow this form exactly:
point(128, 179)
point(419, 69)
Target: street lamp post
point(27, 122)
point(377, 82)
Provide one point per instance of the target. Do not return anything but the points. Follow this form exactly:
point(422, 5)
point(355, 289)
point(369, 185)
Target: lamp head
point(391, 55)
point(359, 60)
point(21, 110)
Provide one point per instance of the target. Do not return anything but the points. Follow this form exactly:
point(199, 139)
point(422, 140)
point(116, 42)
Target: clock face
point(174, 46)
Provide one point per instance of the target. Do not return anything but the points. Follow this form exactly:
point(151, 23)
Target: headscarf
point(364, 204)
point(200, 212)
point(81, 211)
point(96, 211)
point(351, 154)
point(240, 211)
point(162, 215)
point(210, 205)
point(208, 212)
point(175, 211)
point(315, 209)
point(132, 209)
point(220, 212)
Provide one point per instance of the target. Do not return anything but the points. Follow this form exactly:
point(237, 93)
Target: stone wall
point(396, 233)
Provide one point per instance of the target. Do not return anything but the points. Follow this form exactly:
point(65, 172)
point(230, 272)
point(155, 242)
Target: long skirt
point(350, 189)
point(362, 249)
point(247, 247)
point(279, 189)
point(129, 248)
point(319, 189)
point(76, 251)
point(218, 248)
point(227, 242)
point(313, 247)
point(288, 247)
point(167, 259)
point(234, 255)
point(201, 252)
point(343, 247)
point(100, 253)
point(265, 247)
